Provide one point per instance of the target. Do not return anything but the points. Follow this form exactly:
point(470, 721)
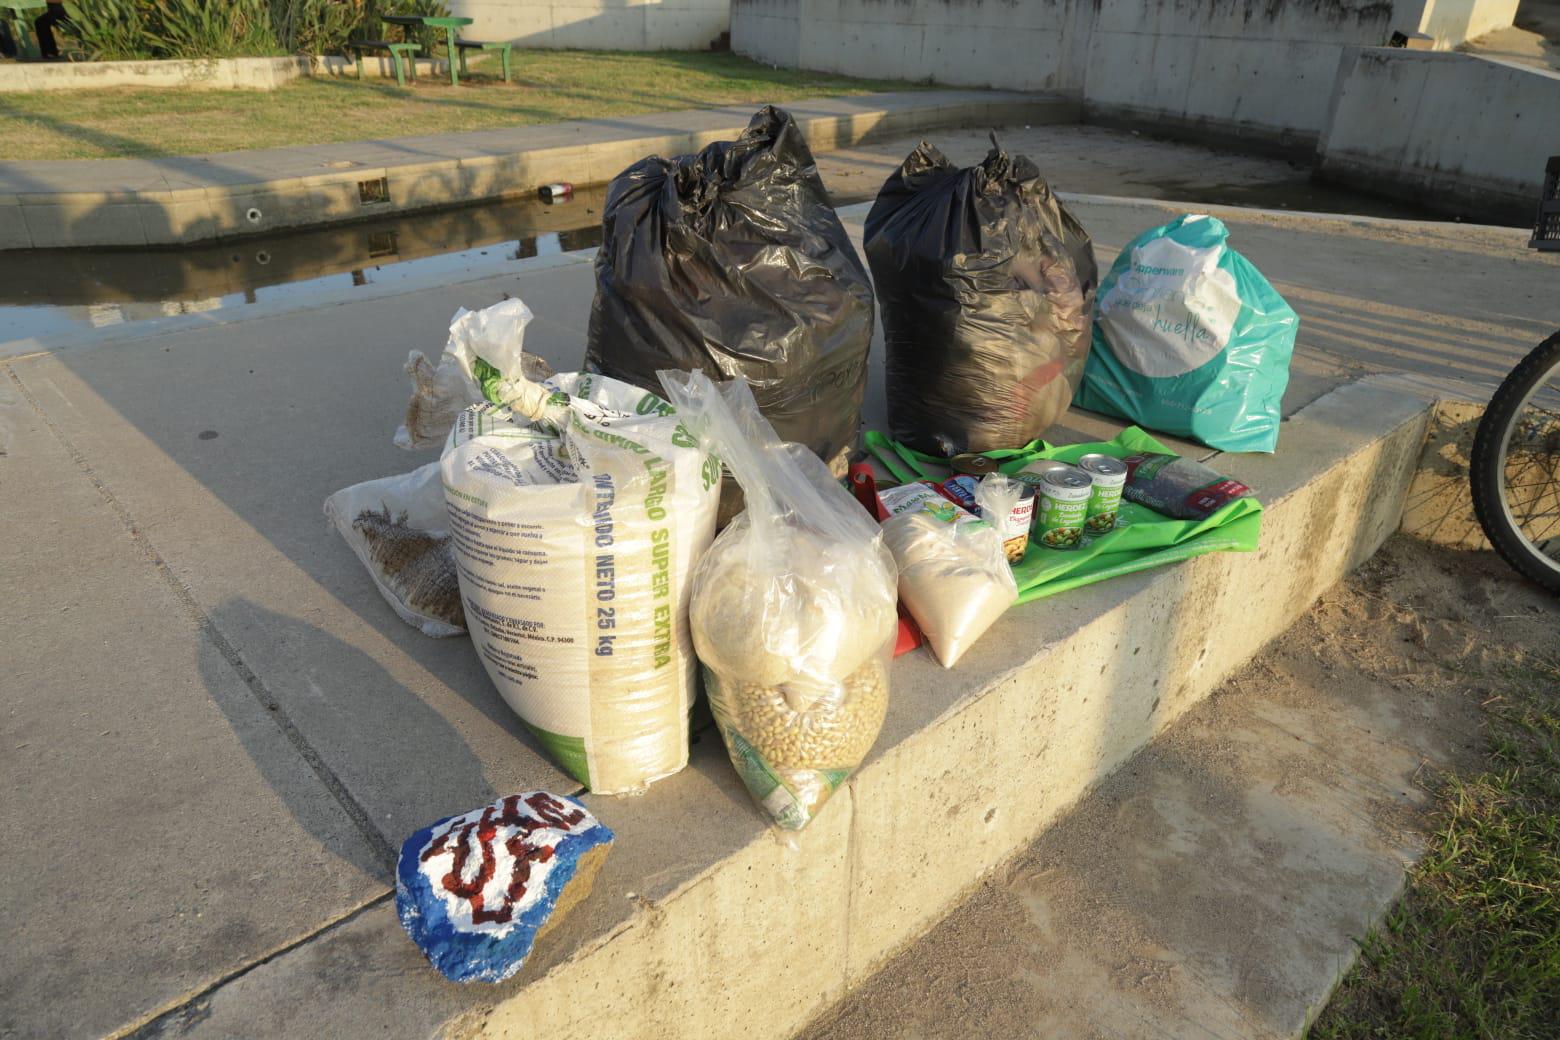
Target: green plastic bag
point(1190, 339)
point(1142, 538)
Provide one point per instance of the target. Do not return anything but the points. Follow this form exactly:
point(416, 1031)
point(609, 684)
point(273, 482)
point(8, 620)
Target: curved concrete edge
point(726, 926)
point(49, 205)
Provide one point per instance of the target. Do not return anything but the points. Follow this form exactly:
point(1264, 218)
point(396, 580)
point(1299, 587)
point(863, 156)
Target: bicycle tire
point(1486, 468)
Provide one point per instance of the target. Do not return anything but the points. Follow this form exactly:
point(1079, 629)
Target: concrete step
point(705, 922)
point(138, 202)
point(1218, 885)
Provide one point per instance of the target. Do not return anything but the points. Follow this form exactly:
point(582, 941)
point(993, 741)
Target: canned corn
point(1062, 507)
point(1108, 475)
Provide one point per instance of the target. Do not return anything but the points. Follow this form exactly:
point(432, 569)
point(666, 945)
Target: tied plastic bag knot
point(526, 398)
point(995, 497)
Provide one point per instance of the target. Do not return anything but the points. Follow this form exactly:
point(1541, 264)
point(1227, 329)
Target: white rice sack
point(578, 512)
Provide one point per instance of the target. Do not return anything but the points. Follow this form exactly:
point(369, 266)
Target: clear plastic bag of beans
point(793, 609)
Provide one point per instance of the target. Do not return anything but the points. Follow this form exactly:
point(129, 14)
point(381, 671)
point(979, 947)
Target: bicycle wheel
point(1515, 467)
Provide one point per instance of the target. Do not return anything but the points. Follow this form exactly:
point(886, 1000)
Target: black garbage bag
point(732, 262)
point(986, 285)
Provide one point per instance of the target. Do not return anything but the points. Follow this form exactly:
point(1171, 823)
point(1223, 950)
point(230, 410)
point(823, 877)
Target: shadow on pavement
point(396, 738)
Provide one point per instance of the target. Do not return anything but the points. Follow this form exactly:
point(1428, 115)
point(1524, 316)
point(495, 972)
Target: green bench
point(398, 50)
point(503, 50)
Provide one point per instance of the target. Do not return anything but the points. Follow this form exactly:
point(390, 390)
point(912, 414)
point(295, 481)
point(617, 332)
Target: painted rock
point(476, 891)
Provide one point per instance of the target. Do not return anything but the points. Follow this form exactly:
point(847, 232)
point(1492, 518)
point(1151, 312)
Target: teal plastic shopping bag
point(1190, 339)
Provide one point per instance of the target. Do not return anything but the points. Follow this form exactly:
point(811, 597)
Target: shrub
point(129, 29)
point(211, 28)
point(110, 30)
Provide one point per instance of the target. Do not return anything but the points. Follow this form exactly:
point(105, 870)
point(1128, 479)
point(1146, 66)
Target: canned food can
point(1109, 476)
point(1015, 526)
point(1062, 507)
point(1035, 472)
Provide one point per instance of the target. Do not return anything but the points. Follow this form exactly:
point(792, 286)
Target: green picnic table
point(26, 41)
point(449, 25)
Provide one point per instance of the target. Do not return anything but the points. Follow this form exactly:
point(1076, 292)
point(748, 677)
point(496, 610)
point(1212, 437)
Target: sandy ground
point(1415, 641)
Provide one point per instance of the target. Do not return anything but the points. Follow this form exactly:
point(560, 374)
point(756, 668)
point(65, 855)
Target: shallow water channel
point(48, 292)
point(52, 294)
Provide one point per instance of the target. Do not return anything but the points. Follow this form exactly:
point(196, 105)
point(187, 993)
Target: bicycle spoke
point(1532, 498)
point(1516, 477)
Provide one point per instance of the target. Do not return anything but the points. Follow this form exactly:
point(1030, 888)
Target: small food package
point(793, 610)
point(1182, 488)
point(398, 528)
point(954, 576)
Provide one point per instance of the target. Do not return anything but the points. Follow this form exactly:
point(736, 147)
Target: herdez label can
point(1035, 472)
point(1015, 526)
point(1108, 476)
point(1062, 507)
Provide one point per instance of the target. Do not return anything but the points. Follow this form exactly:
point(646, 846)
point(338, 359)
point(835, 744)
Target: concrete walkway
point(217, 733)
point(132, 202)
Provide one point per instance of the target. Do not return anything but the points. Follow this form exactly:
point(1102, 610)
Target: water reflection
point(46, 292)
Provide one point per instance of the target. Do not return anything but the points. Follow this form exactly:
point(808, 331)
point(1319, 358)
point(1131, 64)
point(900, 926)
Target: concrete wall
point(1019, 44)
point(1226, 68)
point(1449, 129)
point(1453, 22)
point(1245, 67)
point(620, 25)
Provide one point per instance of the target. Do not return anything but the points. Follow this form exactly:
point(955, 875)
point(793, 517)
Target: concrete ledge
point(133, 202)
point(703, 918)
point(206, 74)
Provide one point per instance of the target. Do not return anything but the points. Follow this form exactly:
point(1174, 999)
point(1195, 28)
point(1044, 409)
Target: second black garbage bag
point(732, 262)
point(986, 285)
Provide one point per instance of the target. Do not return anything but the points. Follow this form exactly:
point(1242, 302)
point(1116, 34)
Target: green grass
point(1473, 949)
point(550, 86)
